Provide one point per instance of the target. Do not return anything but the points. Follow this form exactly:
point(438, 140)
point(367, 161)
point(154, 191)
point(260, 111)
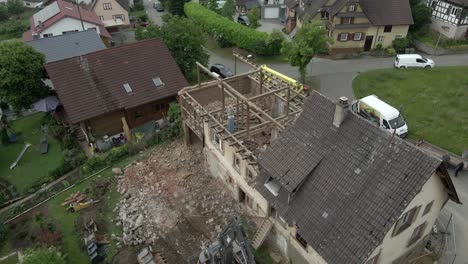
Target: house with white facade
point(273, 9)
point(450, 17)
point(62, 17)
point(333, 187)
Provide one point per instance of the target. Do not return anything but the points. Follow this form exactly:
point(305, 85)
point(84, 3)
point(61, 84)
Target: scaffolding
point(245, 111)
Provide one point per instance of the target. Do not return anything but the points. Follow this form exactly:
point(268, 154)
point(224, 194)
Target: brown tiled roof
point(388, 12)
point(92, 84)
point(343, 187)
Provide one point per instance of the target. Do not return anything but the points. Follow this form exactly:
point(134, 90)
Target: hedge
point(243, 37)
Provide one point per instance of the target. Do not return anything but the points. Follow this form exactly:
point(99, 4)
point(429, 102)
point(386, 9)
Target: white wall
point(448, 30)
point(67, 24)
point(395, 247)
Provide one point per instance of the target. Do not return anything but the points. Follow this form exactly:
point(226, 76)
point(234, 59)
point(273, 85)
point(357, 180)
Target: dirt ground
point(171, 202)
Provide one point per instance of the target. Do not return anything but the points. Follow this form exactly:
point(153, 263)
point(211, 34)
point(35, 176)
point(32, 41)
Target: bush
point(379, 47)
point(239, 35)
point(143, 17)
point(13, 28)
point(3, 13)
point(400, 44)
point(254, 17)
point(138, 6)
point(70, 141)
point(391, 51)
point(98, 162)
point(15, 7)
point(4, 137)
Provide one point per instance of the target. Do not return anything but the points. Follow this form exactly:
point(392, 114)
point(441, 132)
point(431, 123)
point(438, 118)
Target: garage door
point(271, 12)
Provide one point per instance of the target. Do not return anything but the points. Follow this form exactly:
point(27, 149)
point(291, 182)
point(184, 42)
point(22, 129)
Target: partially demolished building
point(333, 187)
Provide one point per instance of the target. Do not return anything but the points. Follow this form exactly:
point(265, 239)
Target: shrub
point(98, 162)
point(254, 17)
point(400, 44)
point(138, 6)
point(117, 154)
point(4, 139)
point(143, 17)
point(3, 13)
point(69, 140)
point(391, 51)
point(15, 7)
point(379, 47)
point(239, 35)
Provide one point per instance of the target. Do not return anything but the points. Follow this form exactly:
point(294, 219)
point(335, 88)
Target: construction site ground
point(172, 202)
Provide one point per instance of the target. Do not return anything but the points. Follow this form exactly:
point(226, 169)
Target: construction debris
point(171, 201)
point(74, 198)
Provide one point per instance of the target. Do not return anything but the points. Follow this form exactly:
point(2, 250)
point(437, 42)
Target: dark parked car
point(158, 6)
point(221, 70)
point(244, 20)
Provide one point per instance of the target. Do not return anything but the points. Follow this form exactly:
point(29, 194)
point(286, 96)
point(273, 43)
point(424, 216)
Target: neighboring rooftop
point(389, 12)
point(58, 10)
point(344, 187)
point(68, 45)
point(93, 84)
point(459, 2)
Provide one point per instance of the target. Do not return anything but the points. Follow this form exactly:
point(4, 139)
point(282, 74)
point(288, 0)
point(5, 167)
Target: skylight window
point(127, 88)
point(272, 186)
point(158, 82)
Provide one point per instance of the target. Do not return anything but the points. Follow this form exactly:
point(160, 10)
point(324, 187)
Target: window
point(343, 36)
point(346, 20)
point(324, 14)
point(107, 6)
point(380, 39)
point(127, 88)
point(217, 141)
point(417, 233)
point(157, 108)
point(420, 61)
point(248, 201)
point(386, 125)
point(101, 18)
point(405, 221)
point(138, 114)
point(249, 173)
point(398, 36)
point(301, 240)
point(69, 31)
point(454, 11)
point(352, 8)
point(157, 82)
point(121, 17)
point(230, 179)
point(428, 207)
point(272, 186)
point(387, 29)
point(357, 36)
point(236, 163)
point(48, 35)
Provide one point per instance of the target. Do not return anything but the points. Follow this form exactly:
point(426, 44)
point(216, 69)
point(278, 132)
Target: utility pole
point(79, 13)
point(437, 43)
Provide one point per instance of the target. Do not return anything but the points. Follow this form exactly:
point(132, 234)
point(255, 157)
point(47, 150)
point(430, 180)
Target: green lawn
point(33, 167)
point(434, 101)
point(431, 38)
point(11, 260)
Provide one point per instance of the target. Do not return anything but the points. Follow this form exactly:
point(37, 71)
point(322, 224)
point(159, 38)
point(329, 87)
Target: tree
point(213, 5)
point(4, 13)
point(20, 74)
point(229, 9)
point(184, 39)
point(176, 7)
point(421, 15)
point(43, 255)
point(254, 17)
point(15, 7)
point(310, 40)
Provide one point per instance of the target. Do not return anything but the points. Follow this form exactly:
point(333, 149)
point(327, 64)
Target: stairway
point(261, 233)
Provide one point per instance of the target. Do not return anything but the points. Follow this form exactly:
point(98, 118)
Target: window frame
point(417, 234)
point(344, 19)
point(236, 162)
point(360, 36)
point(300, 240)
point(410, 216)
point(119, 16)
point(380, 38)
point(139, 114)
point(324, 15)
point(344, 34)
point(353, 9)
point(388, 29)
point(101, 18)
point(216, 139)
point(452, 13)
point(107, 6)
point(428, 208)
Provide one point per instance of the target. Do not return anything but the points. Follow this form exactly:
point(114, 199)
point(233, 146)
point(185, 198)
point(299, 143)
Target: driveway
point(154, 15)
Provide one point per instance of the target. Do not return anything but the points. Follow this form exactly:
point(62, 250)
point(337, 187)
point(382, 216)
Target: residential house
point(33, 3)
point(61, 17)
point(450, 17)
point(273, 9)
point(69, 45)
point(105, 91)
point(354, 25)
point(244, 6)
point(335, 187)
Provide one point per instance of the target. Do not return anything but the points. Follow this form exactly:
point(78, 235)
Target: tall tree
point(310, 40)
point(43, 255)
point(15, 7)
point(3, 13)
point(213, 5)
point(254, 17)
point(184, 39)
point(229, 9)
point(421, 15)
point(176, 7)
point(20, 74)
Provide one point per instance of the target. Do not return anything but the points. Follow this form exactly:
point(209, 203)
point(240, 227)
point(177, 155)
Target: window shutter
point(350, 36)
point(362, 36)
point(352, 20)
point(339, 37)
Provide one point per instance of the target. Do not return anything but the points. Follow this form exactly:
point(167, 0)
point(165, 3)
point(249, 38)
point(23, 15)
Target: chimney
point(340, 111)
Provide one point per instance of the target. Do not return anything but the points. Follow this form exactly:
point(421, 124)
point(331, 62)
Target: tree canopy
point(20, 74)
point(213, 5)
point(176, 7)
point(421, 15)
point(228, 10)
point(184, 39)
point(310, 40)
point(43, 255)
point(15, 7)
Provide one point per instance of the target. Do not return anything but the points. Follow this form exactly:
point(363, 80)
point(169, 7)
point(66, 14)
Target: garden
point(433, 102)
point(14, 19)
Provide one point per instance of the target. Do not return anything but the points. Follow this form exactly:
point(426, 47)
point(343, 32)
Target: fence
point(443, 239)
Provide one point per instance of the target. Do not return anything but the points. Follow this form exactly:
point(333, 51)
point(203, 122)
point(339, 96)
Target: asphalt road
point(154, 15)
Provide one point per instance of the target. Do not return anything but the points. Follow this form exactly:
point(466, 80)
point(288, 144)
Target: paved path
point(154, 15)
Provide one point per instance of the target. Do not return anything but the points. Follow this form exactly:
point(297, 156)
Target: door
point(271, 12)
point(368, 43)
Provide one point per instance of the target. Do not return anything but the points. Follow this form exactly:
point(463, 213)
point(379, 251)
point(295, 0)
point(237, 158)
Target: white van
point(382, 114)
point(403, 61)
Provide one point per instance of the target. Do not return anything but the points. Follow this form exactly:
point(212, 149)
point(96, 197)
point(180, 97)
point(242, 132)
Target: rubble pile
point(171, 197)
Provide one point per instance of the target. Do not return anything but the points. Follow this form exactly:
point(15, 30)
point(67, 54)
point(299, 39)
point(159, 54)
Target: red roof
point(66, 10)
point(93, 84)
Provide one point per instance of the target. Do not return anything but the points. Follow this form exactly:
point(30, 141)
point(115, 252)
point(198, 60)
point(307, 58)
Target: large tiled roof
point(388, 12)
point(92, 84)
point(344, 187)
point(58, 10)
point(68, 45)
point(459, 2)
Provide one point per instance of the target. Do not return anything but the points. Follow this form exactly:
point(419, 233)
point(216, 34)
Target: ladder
point(261, 233)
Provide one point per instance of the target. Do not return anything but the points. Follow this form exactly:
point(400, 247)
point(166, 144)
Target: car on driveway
point(158, 6)
point(221, 70)
point(244, 20)
point(403, 61)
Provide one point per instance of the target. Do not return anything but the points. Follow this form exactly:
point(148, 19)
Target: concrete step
point(261, 233)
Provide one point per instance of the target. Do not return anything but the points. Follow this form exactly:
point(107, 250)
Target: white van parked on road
point(403, 61)
point(381, 114)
